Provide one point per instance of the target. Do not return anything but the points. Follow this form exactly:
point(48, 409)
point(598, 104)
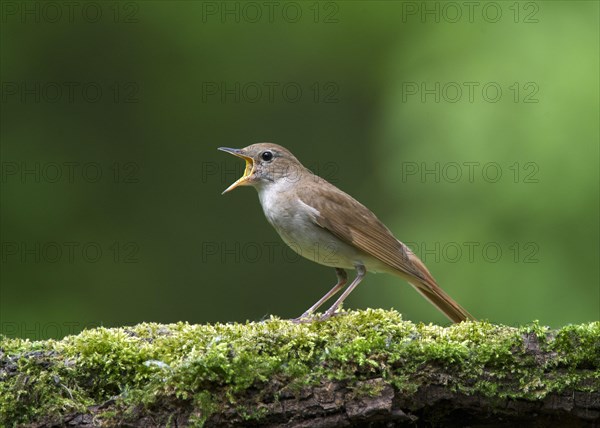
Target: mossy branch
point(359, 368)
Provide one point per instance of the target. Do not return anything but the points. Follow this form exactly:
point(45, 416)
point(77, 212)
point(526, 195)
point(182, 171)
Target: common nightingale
point(322, 223)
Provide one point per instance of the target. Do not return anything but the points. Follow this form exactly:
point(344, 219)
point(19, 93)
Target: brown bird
point(322, 223)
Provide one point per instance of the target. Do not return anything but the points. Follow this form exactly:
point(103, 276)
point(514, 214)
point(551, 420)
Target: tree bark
point(336, 404)
point(368, 368)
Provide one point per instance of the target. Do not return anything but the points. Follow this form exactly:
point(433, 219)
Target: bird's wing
point(355, 224)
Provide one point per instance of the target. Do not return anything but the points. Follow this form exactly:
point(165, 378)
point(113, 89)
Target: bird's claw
point(328, 315)
point(310, 317)
point(304, 318)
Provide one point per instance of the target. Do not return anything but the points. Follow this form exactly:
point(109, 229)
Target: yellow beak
point(243, 180)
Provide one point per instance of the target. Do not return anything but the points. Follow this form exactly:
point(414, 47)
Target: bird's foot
point(330, 314)
point(306, 317)
point(310, 317)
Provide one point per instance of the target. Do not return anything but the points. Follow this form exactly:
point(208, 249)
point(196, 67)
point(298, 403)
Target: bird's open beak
point(243, 180)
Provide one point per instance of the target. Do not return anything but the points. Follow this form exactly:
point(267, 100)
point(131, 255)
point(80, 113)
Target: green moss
point(201, 368)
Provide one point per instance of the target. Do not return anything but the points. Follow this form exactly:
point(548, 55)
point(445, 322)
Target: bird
point(326, 225)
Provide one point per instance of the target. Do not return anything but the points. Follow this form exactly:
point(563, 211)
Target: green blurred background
point(471, 131)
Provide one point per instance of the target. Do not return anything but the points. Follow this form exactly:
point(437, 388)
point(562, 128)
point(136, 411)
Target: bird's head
point(266, 163)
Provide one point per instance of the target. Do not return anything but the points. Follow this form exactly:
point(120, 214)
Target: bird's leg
point(342, 277)
point(360, 274)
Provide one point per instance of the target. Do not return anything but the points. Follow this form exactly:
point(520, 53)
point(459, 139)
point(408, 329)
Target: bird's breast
point(294, 221)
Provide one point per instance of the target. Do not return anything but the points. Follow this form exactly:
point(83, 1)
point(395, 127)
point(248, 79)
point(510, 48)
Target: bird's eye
point(266, 156)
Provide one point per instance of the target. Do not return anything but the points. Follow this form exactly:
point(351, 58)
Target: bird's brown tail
point(442, 301)
point(425, 284)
